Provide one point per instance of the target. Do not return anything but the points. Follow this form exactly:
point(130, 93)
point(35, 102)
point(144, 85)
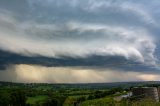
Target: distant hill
point(83, 85)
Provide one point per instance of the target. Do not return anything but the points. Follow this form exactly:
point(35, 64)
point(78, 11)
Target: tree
point(51, 102)
point(90, 97)
point(18, 98)
point(4, 98)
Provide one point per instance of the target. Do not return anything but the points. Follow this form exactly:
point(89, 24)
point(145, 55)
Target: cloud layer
point(80, 33)
point(78, 38)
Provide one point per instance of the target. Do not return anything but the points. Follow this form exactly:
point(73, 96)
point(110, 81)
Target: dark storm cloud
point(107, 33)
point(94, 61)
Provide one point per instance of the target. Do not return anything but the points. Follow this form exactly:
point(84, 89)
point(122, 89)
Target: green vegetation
point(13, 97)
point(106, 101)
point(13, 94)
point(36, 99)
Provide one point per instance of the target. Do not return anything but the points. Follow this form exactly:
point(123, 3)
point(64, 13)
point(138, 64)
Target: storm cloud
point(108, 34)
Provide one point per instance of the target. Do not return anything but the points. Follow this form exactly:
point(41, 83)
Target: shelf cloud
point(79, 33)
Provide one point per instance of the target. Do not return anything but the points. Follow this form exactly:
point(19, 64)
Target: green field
point(36, 99)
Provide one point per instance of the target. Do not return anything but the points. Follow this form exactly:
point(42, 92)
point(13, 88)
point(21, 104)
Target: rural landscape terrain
point(97, 94)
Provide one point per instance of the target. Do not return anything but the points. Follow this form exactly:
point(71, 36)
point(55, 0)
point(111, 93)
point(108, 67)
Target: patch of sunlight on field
point(35, 99)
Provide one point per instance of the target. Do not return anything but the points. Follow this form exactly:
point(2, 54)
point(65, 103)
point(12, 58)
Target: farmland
point(20, 94)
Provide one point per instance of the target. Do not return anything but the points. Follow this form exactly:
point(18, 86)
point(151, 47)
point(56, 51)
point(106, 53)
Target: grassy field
point(36, 99)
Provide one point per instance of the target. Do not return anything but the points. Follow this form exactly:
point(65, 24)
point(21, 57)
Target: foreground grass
point(107, 101)
point(145, 102)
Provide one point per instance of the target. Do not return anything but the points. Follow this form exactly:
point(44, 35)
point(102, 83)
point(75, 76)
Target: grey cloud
point(79, 29)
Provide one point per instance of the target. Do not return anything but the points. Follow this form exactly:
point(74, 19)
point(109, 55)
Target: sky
point(79, 41)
